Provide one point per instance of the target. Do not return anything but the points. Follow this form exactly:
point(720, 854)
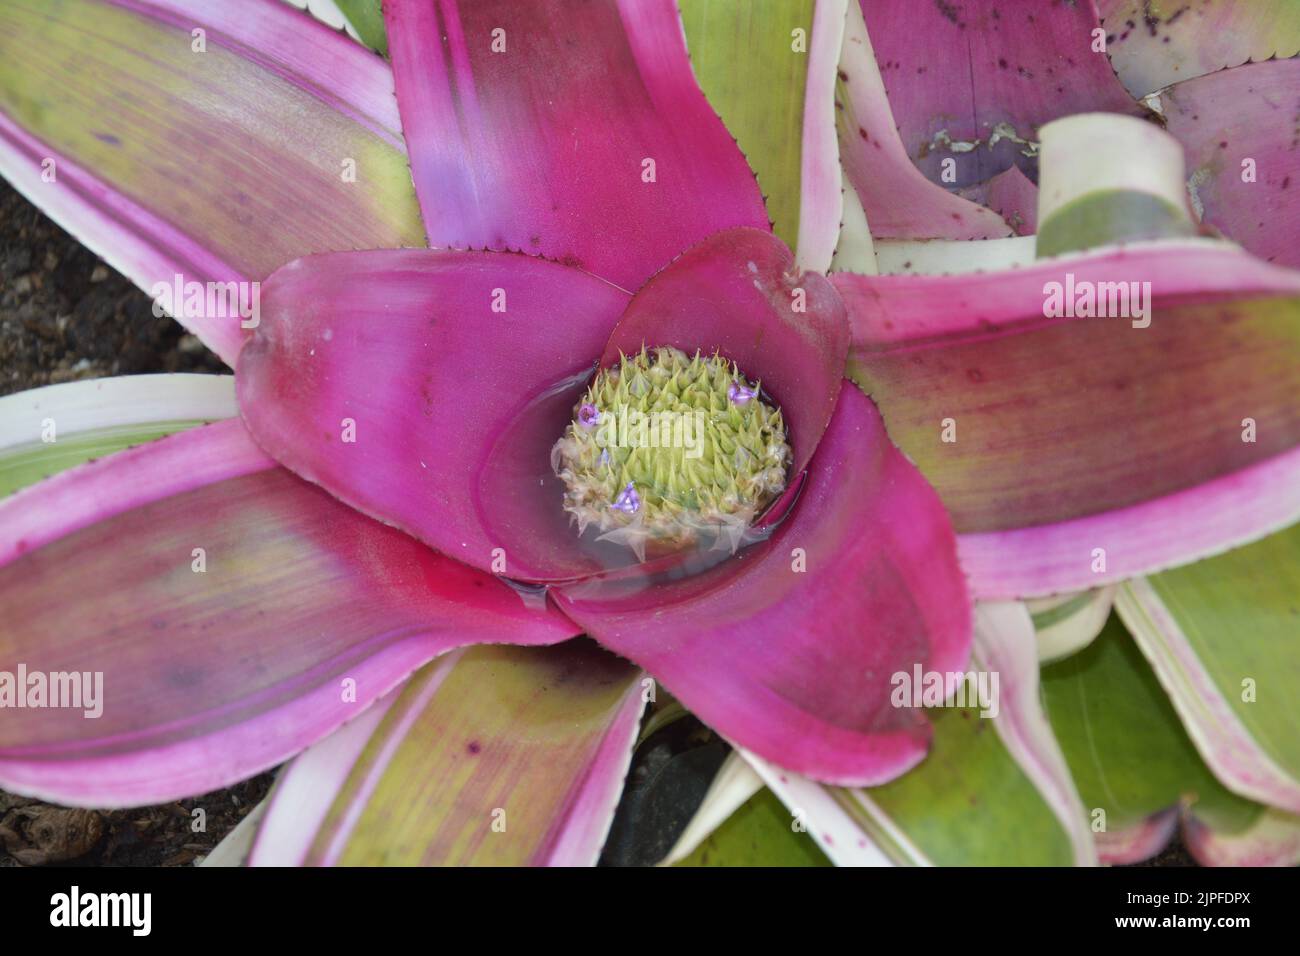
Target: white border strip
point(93, 404)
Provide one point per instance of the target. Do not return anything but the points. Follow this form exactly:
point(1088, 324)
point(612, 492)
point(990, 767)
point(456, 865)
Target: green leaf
point(1224, 637)
point(47, 430)
point(760, 833)
point(24, 466)
point(492, 756)
point(1136, 768)
point(970, 804)
point(742, 57)
point(1127, 750)
point(367, 18)
point(991, 792)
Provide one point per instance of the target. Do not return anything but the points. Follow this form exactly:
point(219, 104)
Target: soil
point(65, 315)
point(170, 834)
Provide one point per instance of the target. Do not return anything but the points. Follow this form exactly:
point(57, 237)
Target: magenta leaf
point(1237, 128)
point(788, 650)
point(964, 72)
point(459, 372)
point(222, 613)
point(573, 131)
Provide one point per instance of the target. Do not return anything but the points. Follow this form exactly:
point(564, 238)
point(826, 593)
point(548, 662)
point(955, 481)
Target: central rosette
point(666, 452)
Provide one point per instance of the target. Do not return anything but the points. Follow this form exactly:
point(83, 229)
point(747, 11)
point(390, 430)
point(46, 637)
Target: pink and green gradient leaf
point(1137, 770)
point(992, 791)
point(304, 612)
point(1221, 635)
point(93, 418)
point(490, 756)
point(967, 72)
point(768, 68)
point(572, 131)
point(1239, 130)
point(214, 187)
point(1079, 436)
point(1155, 43)
point(787, 650)
point(897, 198)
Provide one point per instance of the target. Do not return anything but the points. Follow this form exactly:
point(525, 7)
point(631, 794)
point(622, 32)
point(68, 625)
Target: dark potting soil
point(65, 315)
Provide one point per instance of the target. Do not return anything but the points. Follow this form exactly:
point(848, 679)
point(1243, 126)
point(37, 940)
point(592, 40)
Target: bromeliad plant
point(433, 449)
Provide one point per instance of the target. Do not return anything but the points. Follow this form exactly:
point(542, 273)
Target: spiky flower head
point(666, 451)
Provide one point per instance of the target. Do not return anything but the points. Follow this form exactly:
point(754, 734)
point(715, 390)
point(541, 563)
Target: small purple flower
point(740, 394)
point(589, 416)
point(628, 501)
point(604, 456)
